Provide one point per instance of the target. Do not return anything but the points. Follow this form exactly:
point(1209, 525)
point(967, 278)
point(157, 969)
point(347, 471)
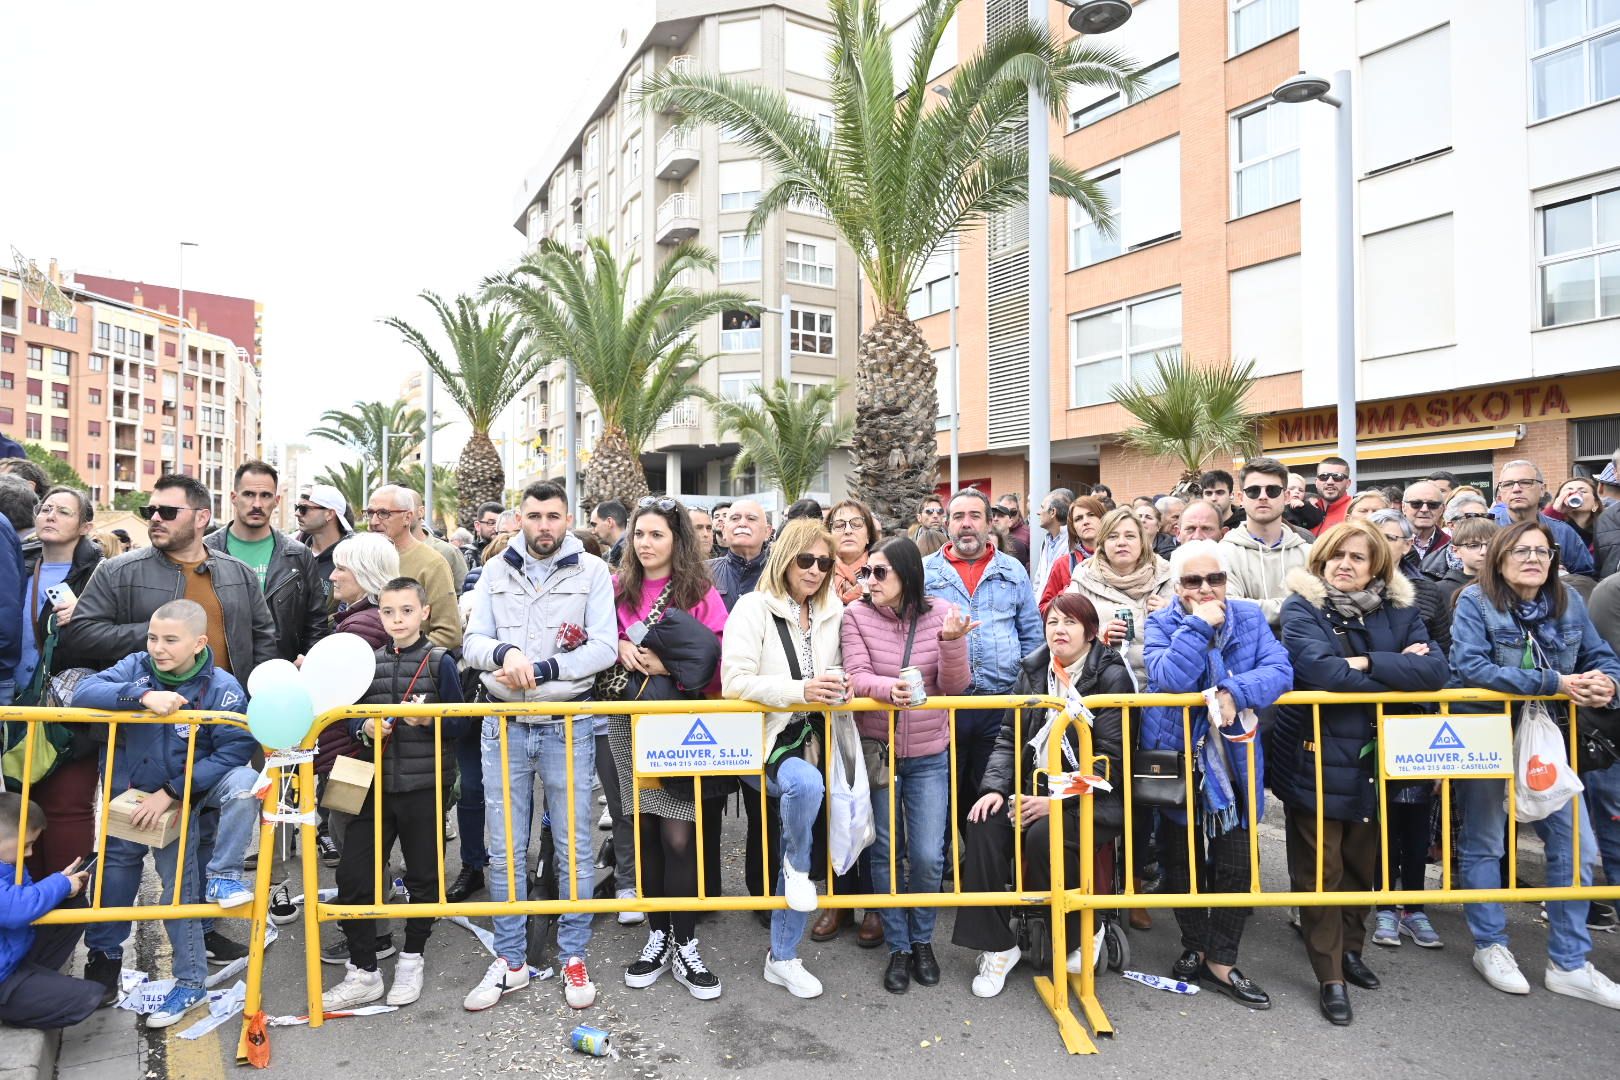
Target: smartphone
point(59, 594)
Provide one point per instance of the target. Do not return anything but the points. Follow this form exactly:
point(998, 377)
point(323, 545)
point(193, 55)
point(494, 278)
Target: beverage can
point(590, 1040)
point(1576, 500)
point(836, 672)
point(913, 678)
point(1128, 617)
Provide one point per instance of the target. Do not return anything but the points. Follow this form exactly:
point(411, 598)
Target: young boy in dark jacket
point(175, 672)
point(33, 991)
point(410, 670)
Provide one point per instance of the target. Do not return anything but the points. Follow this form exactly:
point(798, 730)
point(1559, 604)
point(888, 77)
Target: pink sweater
point(711, 612)
point(874, 641)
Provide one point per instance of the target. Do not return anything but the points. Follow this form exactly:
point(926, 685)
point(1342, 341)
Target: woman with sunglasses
point(1202, 641)
point(899, 626)
point(1351, 624)
point(1520, 630)
point(781, 639)
point(1085, 518)
point(854, 532)
point(670, 622)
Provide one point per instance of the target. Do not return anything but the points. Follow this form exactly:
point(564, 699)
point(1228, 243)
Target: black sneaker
point(328, 849)
point(692, 973)
point(653, 961)
point(221, 949)
point(282, 909)
point(106, 970)
point(1600, 916)
point(337, 951)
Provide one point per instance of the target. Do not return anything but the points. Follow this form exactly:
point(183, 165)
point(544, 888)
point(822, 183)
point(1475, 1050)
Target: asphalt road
point(1433, 1018)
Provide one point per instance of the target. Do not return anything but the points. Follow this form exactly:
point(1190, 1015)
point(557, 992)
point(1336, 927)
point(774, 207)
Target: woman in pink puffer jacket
point(898, 625)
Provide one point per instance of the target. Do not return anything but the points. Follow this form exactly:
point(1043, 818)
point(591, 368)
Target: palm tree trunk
point(479, 477)
point(614, 472)
point(895, 451)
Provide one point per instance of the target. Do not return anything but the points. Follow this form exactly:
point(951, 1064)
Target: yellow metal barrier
point(256, 914)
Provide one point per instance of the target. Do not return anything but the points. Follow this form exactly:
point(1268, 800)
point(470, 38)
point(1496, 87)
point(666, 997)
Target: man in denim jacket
point(992, 589)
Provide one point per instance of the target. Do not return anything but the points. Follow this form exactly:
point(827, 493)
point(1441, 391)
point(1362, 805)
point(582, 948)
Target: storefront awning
point(1459, 443)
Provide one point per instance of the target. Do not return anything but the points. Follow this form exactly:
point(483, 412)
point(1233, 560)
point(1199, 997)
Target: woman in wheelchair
point(1073, 662)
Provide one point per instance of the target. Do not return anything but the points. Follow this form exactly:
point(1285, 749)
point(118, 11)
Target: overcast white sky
point(331, 159)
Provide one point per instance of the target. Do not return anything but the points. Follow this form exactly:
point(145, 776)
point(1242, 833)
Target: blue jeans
point(922, 794)
point(470, 806)
point(1480, 850)
point(800, 787)
point(121, 874)
point(540, 749)
point(1603, 810)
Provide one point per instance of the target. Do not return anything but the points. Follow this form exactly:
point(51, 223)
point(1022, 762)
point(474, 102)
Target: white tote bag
point(850, 828)
point(1543, 782)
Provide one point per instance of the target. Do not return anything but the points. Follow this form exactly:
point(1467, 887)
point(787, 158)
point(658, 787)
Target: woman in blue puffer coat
point(1201, 641)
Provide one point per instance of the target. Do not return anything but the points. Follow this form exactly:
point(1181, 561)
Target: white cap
point(330, 498)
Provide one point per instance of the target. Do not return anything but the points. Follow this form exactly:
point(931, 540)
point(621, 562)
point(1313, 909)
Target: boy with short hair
point(33, 991)
point(410, 670)
point(175, 672)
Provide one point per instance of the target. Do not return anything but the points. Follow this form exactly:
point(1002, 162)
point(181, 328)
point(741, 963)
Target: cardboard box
point(119, 811)
point(348, 785)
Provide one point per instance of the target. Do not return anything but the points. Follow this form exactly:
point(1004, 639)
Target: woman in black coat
point(1092, 668)
point(1351, 625)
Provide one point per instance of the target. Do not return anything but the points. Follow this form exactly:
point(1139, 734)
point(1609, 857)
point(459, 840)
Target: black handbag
point(1159, 778)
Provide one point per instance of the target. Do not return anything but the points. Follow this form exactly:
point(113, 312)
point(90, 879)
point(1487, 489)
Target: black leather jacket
point(293, 591)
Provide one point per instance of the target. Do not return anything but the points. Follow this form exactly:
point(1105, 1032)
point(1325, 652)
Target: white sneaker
point(798, 889)
point(1586, 983)
point(630, 918)
point(577, 985)
point(357, 988)
point(791, 974)
point(1076, 961)
point(407, 979)
point(993, 969)
point(605, 822)
point(450, 830)
point(1496, 963)
point(498, 981)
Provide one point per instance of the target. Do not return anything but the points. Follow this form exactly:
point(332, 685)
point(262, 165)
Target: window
point(97, 363)
point(1580, 259)
point(1405, 102)
point(933, 293)
point(118, 337)
point(1160, 76)
point(942, 388)
point(632, 159)
point(806, 49)
point(149, 406)
point(34, 425)
point(740, 386)
point(1120, 345)
point(94, 429)
point(36, 392)
point(1575, 55)
point(59, 429)
point(7, 415)
point(591, 153)
point(8, 344)
point(810, 259)
point(103, 334)
point(817, 110)
point(740, 185)
point(1152, 39)
point(36, 358)
point(8, 381)
point(1408, 278)
point(59, 396)
point(739, 257)
point(168, 348)
point(810, 330)
point(1265, 143)
point(92, 461)
point(61, 362)
point(1144, 191)
point(1255, 22)
point(593, 209)
point(149, 374)
point(739, 331)
point(630, 228)
point(739, 45)
point(1265, 315)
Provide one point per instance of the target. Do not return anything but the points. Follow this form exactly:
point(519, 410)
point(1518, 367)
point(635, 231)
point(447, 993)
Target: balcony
point(679, 65)
point(542, 416)
point(576, 187)
point(9, 322)
point(677, 218)
point(677, 153)
point(576, 239)
point(149, 354)
point(684, 415)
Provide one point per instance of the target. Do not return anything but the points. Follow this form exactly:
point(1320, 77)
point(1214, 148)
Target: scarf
point(1136, 584)
point(1534, 616)
point(1059, 684)
point(849, 589)
point(1358, 604)
point(1217, 797)
point(180, 678)
point(1453, 560)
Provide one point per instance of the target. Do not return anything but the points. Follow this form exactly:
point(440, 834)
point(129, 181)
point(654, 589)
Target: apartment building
point(646, 180)
point(102, 390)
point(1486, 187)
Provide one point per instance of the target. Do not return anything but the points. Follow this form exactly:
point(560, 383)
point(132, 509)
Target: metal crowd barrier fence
point(256, 913)
point(1405, 738)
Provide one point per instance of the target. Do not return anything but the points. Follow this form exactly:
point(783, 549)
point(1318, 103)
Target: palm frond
point(788, 438)
point(1191, 412)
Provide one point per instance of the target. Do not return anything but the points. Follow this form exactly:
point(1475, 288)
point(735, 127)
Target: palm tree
point(445, 487)
point(638, 358)
point(361, 429)
point(785, 436)
point(351, 478)
point(493, 364)
point(1190, 413)
point(900, 180)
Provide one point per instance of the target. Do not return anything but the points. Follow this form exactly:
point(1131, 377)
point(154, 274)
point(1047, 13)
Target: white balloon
point(338, 670)
point(275, 672)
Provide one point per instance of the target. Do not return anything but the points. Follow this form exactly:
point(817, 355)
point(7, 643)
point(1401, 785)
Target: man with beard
point(556, 601)
point(1001, 518)
point(285, 568)
point(323, 524)
point(391, 510)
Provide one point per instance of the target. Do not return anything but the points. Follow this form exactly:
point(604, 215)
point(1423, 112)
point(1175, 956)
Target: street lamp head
point(1098, 16)
point(1300, 89)
point(943, 91)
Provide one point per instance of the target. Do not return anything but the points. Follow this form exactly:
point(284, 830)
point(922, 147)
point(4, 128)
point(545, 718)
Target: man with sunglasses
point(1001, 518)
point(111, 619)
point(1423, 503)
point(1333, 484)
point(1262, 548)
point(1017, 523)
point(1519, 488)
point(323, 524)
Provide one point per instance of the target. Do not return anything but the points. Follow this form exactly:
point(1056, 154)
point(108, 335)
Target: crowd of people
point(1242, 587)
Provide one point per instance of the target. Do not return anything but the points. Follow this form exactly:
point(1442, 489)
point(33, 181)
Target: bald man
point(1199, 521)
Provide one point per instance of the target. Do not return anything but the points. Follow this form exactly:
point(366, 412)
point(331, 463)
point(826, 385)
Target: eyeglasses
point(47, 511)
point(1538, 554)
point(167, 513)
point(1198, 581)
point(1424, 504)
point(1472, 516)
point(1333, 477)
point(933, 511)
point(823, 563)
point(1504, 485)
point(1397, 538)
point(373, 512)
point(1473, 545)
point(663, 502)
point(875, 573)
point(846, 524)
point(1254, 491)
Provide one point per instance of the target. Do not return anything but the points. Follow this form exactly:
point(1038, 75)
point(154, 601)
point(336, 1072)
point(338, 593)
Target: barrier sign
point(723, 742)
point(1428, 746)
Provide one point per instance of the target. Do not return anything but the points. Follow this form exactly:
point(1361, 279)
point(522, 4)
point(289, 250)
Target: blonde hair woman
point(1124, 573)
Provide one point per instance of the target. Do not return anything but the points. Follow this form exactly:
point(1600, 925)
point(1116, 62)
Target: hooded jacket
point(874, 639)
point(292, 591)
point(753, 666)
point(20, 905)
point(1259, 572)
point(1319, 640)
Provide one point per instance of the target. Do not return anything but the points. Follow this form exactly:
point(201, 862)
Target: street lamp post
point(427, 452)
point(1302, 88)
point(786, 345)
point(180, 390)
point(955, 376)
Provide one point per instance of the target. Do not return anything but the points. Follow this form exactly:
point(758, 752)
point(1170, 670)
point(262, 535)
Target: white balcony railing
point(677, 153)
point(684, 415)
point(677, 218)
point(679, 65)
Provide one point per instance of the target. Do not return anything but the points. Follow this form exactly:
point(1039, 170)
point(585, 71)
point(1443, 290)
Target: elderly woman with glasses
point(1521, 630)
point(1205, 640)
point(854, 532)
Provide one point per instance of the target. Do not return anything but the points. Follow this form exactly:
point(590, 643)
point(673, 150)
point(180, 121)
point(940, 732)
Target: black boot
point(469, 881)
point(104, 969)
point(897, 976)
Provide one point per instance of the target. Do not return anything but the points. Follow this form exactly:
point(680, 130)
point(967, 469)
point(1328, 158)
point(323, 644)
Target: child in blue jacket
point(33, 991)
point(176, 672)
